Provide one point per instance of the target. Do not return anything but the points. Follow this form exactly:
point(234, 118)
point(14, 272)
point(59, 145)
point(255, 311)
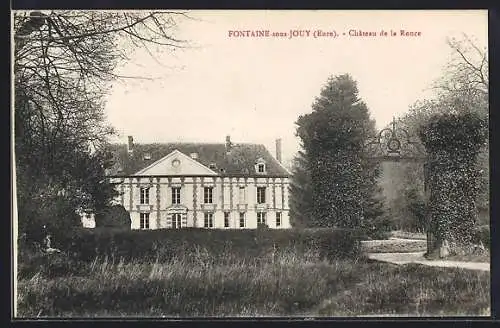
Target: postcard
point(306, 164)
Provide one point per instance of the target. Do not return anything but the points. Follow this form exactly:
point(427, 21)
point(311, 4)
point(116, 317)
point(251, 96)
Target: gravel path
point(418, 257)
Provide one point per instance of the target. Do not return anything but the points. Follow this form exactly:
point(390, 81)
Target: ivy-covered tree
point(343, 179)
point(462, 88)
point(453, 142)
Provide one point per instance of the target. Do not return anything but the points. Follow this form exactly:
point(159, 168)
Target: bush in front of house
point(191, 244)
point(115, 216)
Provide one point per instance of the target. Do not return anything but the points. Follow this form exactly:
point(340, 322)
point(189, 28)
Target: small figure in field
point(47, 242)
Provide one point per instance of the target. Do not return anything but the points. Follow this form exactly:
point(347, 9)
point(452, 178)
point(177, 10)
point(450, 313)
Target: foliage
point(342, 178)
point(49, 214)
point(50, 194)
point(64, 62)
point(415, 210)
point(114, 216)
point(453, 142)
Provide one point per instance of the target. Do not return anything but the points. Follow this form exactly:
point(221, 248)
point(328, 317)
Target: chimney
point(130, 145)
point(228, 144)
point(278, 150)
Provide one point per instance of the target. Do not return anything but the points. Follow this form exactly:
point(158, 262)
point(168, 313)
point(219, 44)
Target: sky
point(255, 88)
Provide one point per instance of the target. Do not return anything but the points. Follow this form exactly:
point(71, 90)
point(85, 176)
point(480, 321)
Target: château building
point(221, 186)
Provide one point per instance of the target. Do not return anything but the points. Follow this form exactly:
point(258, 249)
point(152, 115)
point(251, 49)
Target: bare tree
point(467, 73)
point(463, 85)
point(64, 63)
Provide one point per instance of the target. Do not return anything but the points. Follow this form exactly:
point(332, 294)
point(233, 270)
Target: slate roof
point(239, 161)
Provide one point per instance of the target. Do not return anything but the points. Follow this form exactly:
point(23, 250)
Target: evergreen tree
point(343, 178)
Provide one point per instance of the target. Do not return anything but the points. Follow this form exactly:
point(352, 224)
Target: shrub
point(115, 216)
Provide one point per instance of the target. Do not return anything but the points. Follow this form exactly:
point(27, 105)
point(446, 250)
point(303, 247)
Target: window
point(209, 220)
point(144, 224)
point(261, 195)
point(207, 195)
point(260, 166)
point(176, 195)
point(242, 195)
point(144, 195)
point(226, 219)
point(261, 218)
point(242, 220)
point(278, 219)
point(176, 221)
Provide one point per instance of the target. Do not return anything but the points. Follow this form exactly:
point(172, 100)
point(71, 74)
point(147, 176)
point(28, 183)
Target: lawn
point(287, 284)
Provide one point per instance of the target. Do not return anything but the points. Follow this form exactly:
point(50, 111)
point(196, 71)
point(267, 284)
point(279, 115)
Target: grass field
point(288, 284)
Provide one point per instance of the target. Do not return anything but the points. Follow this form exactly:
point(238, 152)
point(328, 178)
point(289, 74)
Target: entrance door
point(176, 220)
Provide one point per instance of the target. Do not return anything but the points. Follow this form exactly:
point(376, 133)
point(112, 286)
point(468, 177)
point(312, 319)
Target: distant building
point(222, 186)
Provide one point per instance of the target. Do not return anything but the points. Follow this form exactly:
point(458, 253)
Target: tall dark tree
point(343, 178)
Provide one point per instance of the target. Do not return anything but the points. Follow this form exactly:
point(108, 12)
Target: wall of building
point(226, 198)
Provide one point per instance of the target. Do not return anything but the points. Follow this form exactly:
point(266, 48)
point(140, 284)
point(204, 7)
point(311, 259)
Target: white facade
point(177, 191)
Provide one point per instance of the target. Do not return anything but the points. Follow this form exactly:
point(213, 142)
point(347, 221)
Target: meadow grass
point(285, 283)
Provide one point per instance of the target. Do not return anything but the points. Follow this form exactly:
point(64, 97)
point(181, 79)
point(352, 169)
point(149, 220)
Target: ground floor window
point(242, 220)
point(176, 221)
point(261, 217)
point(226, 219)
point(278, 219)
point(144, 222)
point(209, 220)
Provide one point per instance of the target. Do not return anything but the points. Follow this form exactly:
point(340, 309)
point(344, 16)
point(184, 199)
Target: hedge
point(165, 244)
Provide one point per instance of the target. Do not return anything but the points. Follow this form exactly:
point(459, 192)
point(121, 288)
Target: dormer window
point(147, 156)
point(260, 166)
point(212, 166)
